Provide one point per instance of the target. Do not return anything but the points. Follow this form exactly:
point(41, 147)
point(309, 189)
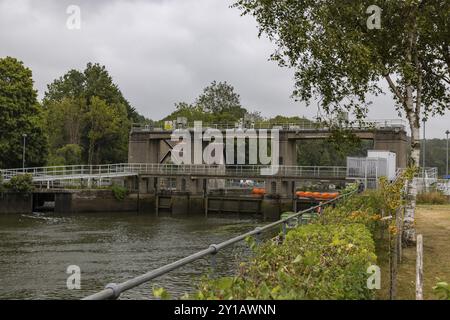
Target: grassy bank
point(433, 222)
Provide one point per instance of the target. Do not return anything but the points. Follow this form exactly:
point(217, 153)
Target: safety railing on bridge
point(69, 172)
point(220, 171)
point(288, 126)
point(113, 290)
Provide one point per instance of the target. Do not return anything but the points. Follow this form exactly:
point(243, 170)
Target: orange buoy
point(258, 191)
point(307, 194)
point(316, 194)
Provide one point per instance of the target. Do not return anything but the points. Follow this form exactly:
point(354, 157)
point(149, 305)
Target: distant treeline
point(85, 119)
point(435, 155)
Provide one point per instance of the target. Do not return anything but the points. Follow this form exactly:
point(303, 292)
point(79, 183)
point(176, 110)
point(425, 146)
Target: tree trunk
point(409, 231)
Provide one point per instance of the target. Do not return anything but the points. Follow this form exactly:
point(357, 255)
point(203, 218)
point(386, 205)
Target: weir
point(157, 186)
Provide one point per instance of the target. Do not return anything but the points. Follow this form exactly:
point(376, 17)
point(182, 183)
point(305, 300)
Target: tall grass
point(433, 197)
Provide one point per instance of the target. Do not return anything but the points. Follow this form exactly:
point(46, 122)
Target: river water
point(36, 249)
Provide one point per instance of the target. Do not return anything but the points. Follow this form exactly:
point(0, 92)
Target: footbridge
point(121, 170)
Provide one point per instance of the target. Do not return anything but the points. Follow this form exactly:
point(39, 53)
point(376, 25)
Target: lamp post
point(424, 141)
point(446, 171)
point(24, 136)
point(424, 120)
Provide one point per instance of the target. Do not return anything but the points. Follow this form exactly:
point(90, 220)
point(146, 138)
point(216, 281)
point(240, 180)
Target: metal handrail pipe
point(113, 291)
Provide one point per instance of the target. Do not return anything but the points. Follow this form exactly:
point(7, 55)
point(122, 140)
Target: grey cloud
point(159, 52)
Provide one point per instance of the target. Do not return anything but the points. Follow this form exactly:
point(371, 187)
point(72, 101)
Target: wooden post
point(393, 266)
point(419, 268)
point(399, 226)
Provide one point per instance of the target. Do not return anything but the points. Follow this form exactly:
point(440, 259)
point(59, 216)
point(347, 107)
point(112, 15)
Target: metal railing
point(43, 174)
point(427, 173)
point(70, 172)
point(287, 126)
point(113, 290)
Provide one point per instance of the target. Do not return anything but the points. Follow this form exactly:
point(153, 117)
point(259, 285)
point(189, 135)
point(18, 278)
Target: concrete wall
point(396, 142)
point(152, 147)
point(12, 202)
point(99, 201)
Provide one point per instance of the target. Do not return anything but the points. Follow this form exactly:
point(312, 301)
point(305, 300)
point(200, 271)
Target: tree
point(20, 113)
point(105, 124)
point(65, 121)
point(93, 81)
point(338, 59)
point(71, 153)
point(220, 98)
point(436, 155)
point(70, 103)
point(217, 104)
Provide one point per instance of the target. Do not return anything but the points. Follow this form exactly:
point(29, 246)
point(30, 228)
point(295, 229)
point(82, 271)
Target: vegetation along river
point(36, 249)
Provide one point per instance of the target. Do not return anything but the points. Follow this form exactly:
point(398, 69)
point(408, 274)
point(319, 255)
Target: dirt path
point(433, 222)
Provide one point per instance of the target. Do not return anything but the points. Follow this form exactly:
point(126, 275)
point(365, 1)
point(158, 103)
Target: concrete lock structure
point(191, 193)
point(156, 186)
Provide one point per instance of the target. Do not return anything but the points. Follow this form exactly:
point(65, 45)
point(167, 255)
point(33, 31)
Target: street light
point(24, 136)
point(424, 141)
point(424, 120)
point(446, 171)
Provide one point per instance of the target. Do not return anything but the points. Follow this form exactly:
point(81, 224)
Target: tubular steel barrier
point(44, 174)
point(287, 126)
point(113, 290)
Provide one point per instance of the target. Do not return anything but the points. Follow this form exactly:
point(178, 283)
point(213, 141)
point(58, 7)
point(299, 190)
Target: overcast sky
point(160, 52)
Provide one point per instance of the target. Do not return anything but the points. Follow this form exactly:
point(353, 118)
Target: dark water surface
point(36, 249)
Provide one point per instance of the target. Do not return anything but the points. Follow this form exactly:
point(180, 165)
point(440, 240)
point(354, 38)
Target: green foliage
point(314, 262)
point(364, 209)
point(20, 113)
point(105, 124)
point(64, 120)
point(70, 154)
point(119, 192)
point(436, 155)
point(342, 63)
point(434, 197)
point(217, 104)
point(161, 293)
point(336, 57)
point(220, 98)
point(94, 81)
point(442, 290)
point(352, 187)
point(20, 183)
point(328, 152)
point(88, 110)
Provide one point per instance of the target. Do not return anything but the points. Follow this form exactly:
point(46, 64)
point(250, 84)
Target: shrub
point(314, 262)
point(442, 290)
point(20, 183)
point(364, 208)
point(119, 192)
point(434, 197)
